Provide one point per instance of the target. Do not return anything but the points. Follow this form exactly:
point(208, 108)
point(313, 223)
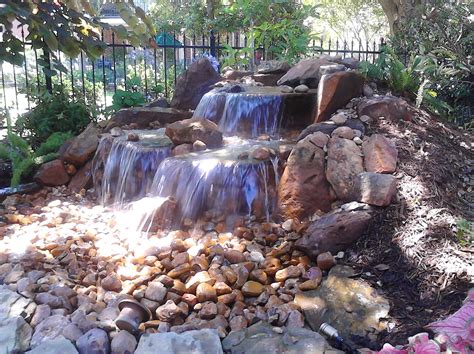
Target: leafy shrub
point(444, 35)
point(132, 97)
point(23, 158)
point(53, 113)
point(411, 80)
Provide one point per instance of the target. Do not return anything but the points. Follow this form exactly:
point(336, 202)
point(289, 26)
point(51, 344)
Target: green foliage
point(53, 113)
point(443, 32)
point(23, 158)
point(53, 143)
point(409, 80)
point(236, 58)
point(351, 20)
point(464, 232)
point(281, 26)
point(68, 26)
point(131, 97)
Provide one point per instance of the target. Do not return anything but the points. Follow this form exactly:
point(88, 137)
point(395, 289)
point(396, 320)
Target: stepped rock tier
point(249, 111)
point(232, 181)
point(123, 170)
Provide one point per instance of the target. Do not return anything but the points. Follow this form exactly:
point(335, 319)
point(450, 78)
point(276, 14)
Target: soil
point(412, 253)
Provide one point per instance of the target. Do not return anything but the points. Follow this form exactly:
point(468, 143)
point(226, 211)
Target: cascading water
point(219, 182)
point(251, 113)
point(123, 170)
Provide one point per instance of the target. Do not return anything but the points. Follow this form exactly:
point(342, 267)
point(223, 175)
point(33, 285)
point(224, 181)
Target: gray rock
point(50, 328)
point(42, 312)
point(72, 332)
point(323, 127)
point(15, 335)
point(155, 291)
point(351, 306)
point(301, 88)
point(261, 338)
point(13, 304)
point(94, 341)
point(375, 188)
point(59, 345)
point(123, 343)
point(205, 341)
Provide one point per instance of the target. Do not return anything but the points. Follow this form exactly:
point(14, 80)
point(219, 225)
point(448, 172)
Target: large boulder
point(82, 147)
point(389, 107)
point(190, 130)
point(343, 165)
point(336, 90)
point(51, 328)
point(375, 188)
point(192, 84)
point(334, 232)
point(205, 341)
point(52, 174)
point(82, 179)
point(141, 117)
point(54, 346)
point(350, 305)
point(380, 154)
point(303, 187)
point(15, 335)
point(305, 72)
point(262, 338)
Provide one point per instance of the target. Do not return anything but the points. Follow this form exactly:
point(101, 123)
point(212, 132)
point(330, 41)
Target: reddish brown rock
point(343, 165)
point(82, 179)
point(182, 149)
point(168, 311)
point(380, 154)
point(238, 323)
point(303, 187)
point(336, 90)
point(142, 117)
point(325, 261)
point(375, 188)
point(208, 311)
point(82, 147)
point(333, 232)
point(290, 272)
point(343, 132)
point(389, 107)
point(234, 256)
point(193, 83)
point(234, 75)
point(111, 283)
point(190, 130)
point(52, 174)
point(252, 288)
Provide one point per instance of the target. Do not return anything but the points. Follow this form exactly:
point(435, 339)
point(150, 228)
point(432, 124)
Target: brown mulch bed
point(411, 253)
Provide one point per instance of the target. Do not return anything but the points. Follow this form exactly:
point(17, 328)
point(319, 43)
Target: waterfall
point(246, 114)
point(123, 170)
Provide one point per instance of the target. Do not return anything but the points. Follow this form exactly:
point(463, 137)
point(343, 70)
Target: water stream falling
point(123, 170)
point(219, 182)
point(158, 190)
point(247, 114)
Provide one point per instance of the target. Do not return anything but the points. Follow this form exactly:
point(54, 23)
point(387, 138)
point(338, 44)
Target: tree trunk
point(397, 11)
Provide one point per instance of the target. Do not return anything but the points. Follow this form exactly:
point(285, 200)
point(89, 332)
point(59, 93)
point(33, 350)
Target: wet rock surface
point(351, 305)
point(205, 341)
point(191, 130)
point(263, 338)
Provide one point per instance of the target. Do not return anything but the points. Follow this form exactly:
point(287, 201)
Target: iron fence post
point(212, 44)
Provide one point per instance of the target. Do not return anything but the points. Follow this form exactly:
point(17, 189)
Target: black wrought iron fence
point(152, 71)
